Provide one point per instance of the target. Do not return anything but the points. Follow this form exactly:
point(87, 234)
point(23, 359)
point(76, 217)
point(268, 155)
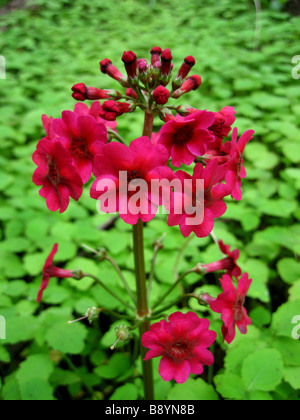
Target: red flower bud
point(107, 67)
point(111, 110)
point(191, 83)
point(130, 61)
point(142, 65)
point(81, 92)
point(185, 68)
point(155, 54)
point(166, 58)
point(132, 93)
point(161, 95)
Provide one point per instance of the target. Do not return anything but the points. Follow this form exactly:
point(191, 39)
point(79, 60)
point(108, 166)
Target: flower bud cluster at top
point(146, 85)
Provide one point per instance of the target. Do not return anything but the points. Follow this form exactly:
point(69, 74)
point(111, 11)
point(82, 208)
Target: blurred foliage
point(48, 47)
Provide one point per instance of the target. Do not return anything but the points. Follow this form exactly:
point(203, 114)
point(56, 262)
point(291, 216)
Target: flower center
point(53, 173)
point(133, 174)
point(79, 148)
point(183, 135)
point(179, 351)
point(238, 309)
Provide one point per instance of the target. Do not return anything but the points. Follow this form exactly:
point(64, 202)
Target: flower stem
point(142, 301)
point(122, 278)
point(177, 282)
point(108, 290)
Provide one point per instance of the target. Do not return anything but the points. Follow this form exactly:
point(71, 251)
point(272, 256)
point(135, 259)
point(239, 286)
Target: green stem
point(142, 304)
point(157, 247)
point(116, 135)
point(181, 251)
point(109, 291)
point(123, 280)
point(142, 301)
point(177, 282)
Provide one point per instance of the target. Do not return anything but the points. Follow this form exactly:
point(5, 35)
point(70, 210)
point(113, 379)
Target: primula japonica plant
point(138, 179)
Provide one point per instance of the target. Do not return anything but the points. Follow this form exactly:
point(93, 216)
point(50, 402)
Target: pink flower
point(229, 263)
point(182, 342)
point(48, 126)
point(187, 137)
point(50, 271)
point(57, 174)
point(230, 305)
point(223, 122)
point(142, 163)
point(198, 200)
point(235, 169)
point(94, 111)
point(83, 137)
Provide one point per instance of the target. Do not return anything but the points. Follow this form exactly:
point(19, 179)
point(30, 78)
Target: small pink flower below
point(182, 342)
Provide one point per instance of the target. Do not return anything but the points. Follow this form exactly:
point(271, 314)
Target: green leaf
point(193, 390)
point(33, 377)
point(69, 339)
point(292, 376)
point(117, 366)
point(282, 319)
point(230, 386)
point(289, 270)
point(126, 392)
point(263, 370)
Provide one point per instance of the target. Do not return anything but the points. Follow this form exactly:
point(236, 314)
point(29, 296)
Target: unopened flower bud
point(186, 67)
point(161, 95)
point(142, 65)
point(130, 61)
point(166, 58)
point(184, 110)
point(165, 114)
point(132, 93)
point(155, 54)
point(191, 83)
point(81, 92)
point(107, 67)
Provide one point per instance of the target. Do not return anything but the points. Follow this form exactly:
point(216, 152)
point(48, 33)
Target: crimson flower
point(235, 169)
point(187, 137)
point(201, 202)
point(223, 122)
point(230, 305)
point(57, 175)
point(182, 342)
point(94, 111)
point(140, 164)
point(83, 137)
point(229, 263)
point(50, 271)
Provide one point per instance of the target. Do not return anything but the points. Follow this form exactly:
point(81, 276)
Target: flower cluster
point(79, 145)
point(136, 178)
